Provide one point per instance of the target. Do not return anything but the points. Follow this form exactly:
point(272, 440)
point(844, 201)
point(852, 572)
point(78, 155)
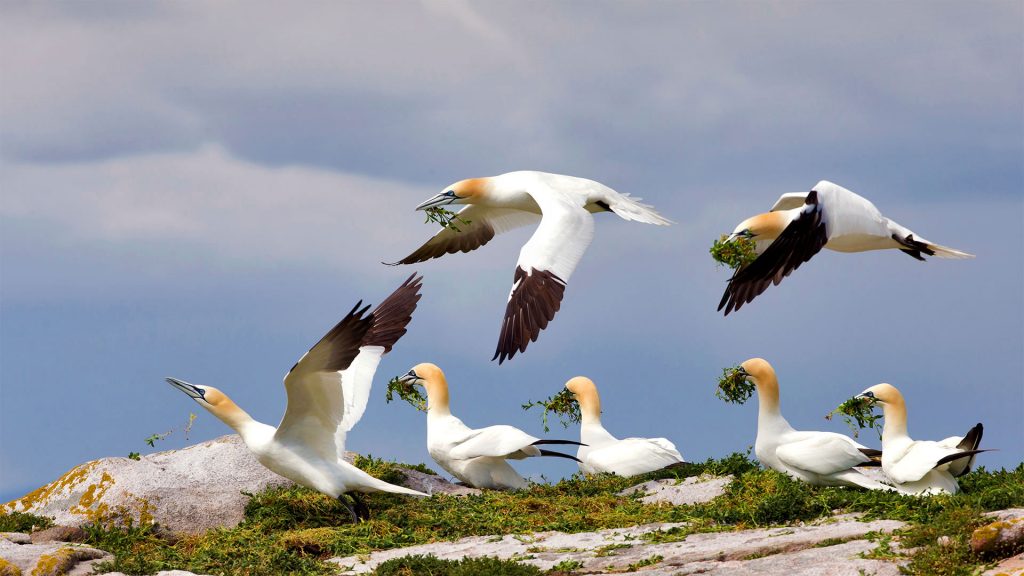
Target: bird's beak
point(870, 396)
point(743, 372)
point(731, 237)
point(190, 389)
point(442, 199)
point(409, 377)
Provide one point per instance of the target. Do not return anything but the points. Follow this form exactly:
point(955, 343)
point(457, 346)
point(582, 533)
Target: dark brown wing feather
point(341, 343)
point(803, 238)
point(468, 238)
point(534, 302)
point(393, 314)
point(970, 442)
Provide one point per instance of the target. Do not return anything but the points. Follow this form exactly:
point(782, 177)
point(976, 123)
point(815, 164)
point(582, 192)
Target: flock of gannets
point(328, 388)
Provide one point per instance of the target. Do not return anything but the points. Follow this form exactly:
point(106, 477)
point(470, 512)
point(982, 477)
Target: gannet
point(920, 466)
point(475, 456)
point(819, 458)
point(802, 223)
point(327, 393)
point(563, 205)
point(602, 452)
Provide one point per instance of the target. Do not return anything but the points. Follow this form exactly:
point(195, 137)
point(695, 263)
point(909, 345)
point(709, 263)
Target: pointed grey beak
point(731, 237)
point(442, 199)
point(193, 392)
point(409, 377)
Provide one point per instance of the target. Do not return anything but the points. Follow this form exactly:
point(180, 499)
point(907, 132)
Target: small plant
point(134, 456)
point(154, 438)
point(734, 253)
point(563, 404)
point(445, 218)
point(733, 386)
point(22, 522)
point(408, 392)
point(188, 425)
point(649, 561)
point(434, 566)
point(859, 410)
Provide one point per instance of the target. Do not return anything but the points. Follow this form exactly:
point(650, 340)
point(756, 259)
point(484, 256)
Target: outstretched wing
point(803, 238)
point(545, 264)
point(316, 405)
point(389, 323)
point(789, 200)
point(822, 453)
point(476, 226)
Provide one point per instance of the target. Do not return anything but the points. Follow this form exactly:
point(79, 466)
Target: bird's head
point(585, 392)
point(206, 396)
point(580, 385)
point(766, 226)
point(433, 381)
point(757, 370)
point(471, 191)
point(882, 394)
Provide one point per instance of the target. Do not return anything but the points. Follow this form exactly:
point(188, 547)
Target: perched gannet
point(802, 223)
point(819, 458)
point(920, 466)
point(602, 452)
point(327, 393)
point(562, 204)
point(475, 456)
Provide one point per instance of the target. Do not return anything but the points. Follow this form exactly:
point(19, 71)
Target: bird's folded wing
point(545, 264)
point(632, 456)
point(822, 453)
point(496, 441)
point(803, 238)
point(920, 458)
point(476, 226)
point(789, 200)
point(316, 404)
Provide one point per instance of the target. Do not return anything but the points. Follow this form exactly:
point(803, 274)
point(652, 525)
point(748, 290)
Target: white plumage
point(563, 205)
point(327, 393)
point(602, 452)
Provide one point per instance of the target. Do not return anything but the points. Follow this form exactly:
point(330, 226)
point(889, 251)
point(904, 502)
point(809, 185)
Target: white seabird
point(920, 466)
point(802, 223)
point(563, 205)
point(602, 452)
point(327, 393)
point(475, 456)
point(818, 458)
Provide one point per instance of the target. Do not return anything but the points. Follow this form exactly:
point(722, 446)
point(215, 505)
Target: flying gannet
point(602, 452)
point(920, 466)
point(475, 456)
point(563, 205)
point(327, 391)
point(819, 458)
point(802, 223)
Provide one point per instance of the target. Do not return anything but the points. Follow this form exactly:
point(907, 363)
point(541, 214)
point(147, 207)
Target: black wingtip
point(558, 455)
point(573, 442)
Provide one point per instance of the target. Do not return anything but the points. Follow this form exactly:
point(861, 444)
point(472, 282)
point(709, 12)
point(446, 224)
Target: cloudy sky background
point(201, 190)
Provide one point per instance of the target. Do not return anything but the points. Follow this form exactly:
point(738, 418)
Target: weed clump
point(418, 565)
point(406, 391)
point(858, 413)
point(563, 404)
point(734, 253)
point(446, 218)
point(22, 522)
point(733, 385)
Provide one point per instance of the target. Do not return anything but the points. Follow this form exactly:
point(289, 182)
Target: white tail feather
point(632, 209)
point(946, 252)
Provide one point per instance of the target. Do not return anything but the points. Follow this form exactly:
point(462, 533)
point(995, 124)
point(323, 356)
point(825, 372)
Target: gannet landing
point(475, 456)
point(602, 452)
point(327, 392)
point(802, 223)
point(563, 205)
point(919, 466)
point(819, 458)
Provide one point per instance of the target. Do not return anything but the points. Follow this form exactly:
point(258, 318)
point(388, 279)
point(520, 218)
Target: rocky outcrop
point(185, 491)
point(694, 490)
point(832, 547)
point(19, 556)
point(1004, 535)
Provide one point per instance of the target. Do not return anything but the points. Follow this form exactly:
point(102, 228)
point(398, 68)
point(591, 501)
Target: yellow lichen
point(93, 495)
point(53, 564)
point(8, 569)
point(41, 496)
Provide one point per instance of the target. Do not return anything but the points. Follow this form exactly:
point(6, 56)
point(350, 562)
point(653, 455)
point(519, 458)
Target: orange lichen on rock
point(8, 569)
point(53, 564)
point(60, 486)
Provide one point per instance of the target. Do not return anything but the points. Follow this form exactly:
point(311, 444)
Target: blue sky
point(201, 190)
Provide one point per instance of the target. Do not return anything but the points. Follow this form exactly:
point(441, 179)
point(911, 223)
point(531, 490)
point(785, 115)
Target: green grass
point(431, 566)
point(21, 522)
point(294, 530)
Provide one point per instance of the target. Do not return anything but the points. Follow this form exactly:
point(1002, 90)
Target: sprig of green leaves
point(735, 253)
point(406, 391)
point(858, 413)
point(445, 218)
point(733, 386)
point(563, 404)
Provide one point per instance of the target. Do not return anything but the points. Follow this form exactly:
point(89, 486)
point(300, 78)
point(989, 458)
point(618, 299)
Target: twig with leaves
point(406, 391)
point(858, 413)
point(734, 386)
point(735, 253)
point(445, 218)
point(563, 404)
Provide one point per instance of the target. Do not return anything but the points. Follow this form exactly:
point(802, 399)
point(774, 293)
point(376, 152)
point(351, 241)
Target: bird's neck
point(590, 407)
point(437, 398)
point(895, 414)
point(768, 397)
point(239, 420)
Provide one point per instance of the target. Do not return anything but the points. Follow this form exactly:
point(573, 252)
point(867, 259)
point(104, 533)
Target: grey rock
point(999, 536)
point(51, 558)
point(160, 573)
point(615, 550)
point(694, 490)
point(1004, 515)
point(185, 491)
point(59, 534)
point(1013, 566)
point(16, 537)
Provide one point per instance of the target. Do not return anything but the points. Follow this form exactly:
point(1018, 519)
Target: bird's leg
point(351, 512)
point(362, 511)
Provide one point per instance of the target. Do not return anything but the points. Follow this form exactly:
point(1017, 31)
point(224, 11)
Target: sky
point(202, 190)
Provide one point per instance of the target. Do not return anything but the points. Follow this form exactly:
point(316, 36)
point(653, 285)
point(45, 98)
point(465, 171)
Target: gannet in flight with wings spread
point(562, 204)
point(602, 452)
point(475, 456)
point(819, 458)
point(327, 393)
point(920, 466)
point(802, 223)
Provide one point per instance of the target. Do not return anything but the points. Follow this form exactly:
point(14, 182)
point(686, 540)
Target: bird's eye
point(450, 193)
point(411, 373)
